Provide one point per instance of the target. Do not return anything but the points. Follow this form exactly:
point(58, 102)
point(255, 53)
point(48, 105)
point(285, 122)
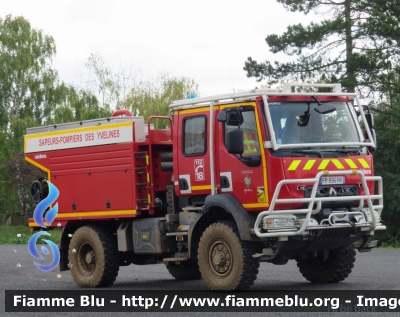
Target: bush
point(22, 234)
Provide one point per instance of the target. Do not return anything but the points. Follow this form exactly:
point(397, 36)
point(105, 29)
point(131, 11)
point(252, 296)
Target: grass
point(395, 245)
point(21, 235)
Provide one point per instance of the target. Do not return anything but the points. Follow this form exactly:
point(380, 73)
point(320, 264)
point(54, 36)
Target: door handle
point(224, 181)
point(183, 184)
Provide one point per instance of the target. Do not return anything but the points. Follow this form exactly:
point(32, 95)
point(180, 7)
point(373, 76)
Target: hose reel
point(39, 189)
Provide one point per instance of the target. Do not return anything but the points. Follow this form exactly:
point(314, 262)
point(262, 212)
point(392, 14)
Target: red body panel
point(248, 183)
point(101, 182)
point(200, 183)
point(306, 167)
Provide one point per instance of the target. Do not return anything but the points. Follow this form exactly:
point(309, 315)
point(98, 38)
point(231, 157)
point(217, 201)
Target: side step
point(179, 257)
point(176, 233)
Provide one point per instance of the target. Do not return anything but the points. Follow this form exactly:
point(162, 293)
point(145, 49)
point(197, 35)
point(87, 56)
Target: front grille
point(335, 191)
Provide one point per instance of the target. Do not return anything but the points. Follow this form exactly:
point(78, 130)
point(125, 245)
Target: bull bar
point(370, 226)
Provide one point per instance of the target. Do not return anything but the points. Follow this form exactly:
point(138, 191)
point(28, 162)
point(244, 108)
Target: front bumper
point(299, 221)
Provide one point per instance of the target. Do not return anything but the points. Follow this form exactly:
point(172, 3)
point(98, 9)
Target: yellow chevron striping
point(337, 164)
point(351, 163)
point(294, 165)
point(364, 163)
point(323, 164)
point(309, 165)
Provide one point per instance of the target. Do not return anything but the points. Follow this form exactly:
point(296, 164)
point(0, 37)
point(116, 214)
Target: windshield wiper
point(305, 152)
point(345, 151)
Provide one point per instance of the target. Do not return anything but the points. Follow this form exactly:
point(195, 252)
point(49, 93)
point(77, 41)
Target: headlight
point(280, 222)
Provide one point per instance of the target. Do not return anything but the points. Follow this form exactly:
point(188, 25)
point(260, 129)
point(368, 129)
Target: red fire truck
point(237, 179)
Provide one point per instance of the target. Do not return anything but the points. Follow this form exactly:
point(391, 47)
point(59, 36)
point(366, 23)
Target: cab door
point(193, 177)
point(244, 176)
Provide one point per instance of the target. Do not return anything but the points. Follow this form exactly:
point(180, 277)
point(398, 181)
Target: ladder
point(144, 197)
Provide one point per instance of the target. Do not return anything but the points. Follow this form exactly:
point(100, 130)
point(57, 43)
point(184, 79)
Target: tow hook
point(367, 248)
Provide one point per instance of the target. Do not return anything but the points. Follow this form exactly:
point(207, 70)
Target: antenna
point(231, 77)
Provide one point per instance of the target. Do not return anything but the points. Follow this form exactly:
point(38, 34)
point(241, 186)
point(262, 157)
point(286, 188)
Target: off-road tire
point(336, 268)
point(226, 262)
point(188, 270)
point(93, 257)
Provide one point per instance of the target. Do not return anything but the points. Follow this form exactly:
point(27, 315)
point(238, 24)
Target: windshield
point(336, 127)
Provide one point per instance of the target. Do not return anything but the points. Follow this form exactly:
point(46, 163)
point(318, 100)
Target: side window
point(250, 135)
point(251, 144)
point(194, 131)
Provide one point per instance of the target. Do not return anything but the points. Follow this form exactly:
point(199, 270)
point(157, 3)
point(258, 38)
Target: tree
point(154, 97)
point(356, 45)
point(109, 86)
point(27, 82)
point(126, 89)
point(24, 174)
point(28, 93)
point(76, 105)
point(387, 165)
point(383, 55)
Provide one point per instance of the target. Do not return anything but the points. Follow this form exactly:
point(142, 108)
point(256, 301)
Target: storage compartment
point(148, 236)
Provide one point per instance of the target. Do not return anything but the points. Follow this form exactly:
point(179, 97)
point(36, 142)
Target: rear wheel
point(93, 257)
point(225, 262)
point(333, 269)
point(184, 271)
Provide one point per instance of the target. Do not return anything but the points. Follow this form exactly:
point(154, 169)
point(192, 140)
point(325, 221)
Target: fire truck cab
point(237, 179)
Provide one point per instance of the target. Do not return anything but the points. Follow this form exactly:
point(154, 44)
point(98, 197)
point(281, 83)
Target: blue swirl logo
point(49, 217)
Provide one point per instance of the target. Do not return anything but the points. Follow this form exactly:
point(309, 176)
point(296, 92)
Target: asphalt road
point(378, 270)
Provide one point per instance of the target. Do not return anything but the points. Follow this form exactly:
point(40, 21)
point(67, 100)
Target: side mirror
point(234, 141)
point(371, 149)
point(370, 120)
point(303, 120)
point(234, 117)
point(231, 117)
point(374, 136)
point(221, 117)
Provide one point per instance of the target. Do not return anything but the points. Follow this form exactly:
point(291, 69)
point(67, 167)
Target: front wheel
point(225, 262)
point(333, 269)
point(93, 257)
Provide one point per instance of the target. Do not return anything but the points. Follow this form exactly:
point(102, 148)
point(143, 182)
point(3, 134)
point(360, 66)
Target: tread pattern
point(336, 269)
point(347, 258)
point(249, 269)
point(111, 267)
point(105, 275)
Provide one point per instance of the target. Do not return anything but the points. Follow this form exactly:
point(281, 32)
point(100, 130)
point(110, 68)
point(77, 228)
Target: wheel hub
point(86, 258)
point(89, 257)
point(220, 258)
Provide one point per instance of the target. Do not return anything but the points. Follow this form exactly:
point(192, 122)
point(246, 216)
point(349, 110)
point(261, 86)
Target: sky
point(207, 41)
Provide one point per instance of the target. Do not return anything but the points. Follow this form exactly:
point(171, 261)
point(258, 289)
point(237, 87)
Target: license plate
point(330, 180)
